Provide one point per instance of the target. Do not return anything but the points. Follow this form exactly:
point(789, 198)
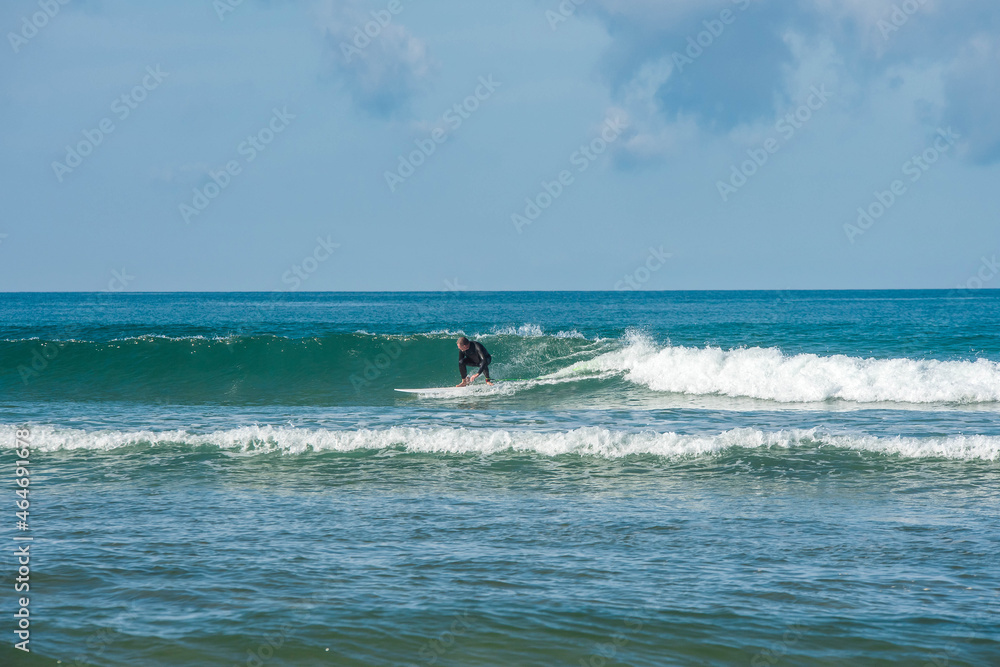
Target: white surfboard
point(436, 390)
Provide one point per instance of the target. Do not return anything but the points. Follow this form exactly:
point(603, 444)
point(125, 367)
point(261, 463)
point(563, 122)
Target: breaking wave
point(585, 441)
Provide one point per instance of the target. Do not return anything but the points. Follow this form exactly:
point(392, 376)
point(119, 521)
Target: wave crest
point(586, 441)
point(767, 373)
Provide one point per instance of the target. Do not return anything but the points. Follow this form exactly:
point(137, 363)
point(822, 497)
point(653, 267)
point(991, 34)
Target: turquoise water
point(746, 478)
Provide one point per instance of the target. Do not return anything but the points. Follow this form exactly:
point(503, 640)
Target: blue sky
point(530, 145)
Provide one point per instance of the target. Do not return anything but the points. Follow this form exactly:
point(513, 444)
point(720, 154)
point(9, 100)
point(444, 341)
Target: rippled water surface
point(762, 478)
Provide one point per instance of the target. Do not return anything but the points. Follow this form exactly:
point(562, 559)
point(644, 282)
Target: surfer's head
point(463, 343)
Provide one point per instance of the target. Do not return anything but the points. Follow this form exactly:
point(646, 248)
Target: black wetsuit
point(476, 355)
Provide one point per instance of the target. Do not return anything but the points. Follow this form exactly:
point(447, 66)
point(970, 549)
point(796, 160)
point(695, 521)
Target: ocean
point(657, 478)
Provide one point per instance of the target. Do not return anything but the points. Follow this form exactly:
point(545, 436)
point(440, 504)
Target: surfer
point(472, 353)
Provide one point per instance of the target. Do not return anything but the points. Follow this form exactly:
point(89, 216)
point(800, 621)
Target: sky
point(259, 145)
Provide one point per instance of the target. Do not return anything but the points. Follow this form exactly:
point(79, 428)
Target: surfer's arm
point(484, 357)
point(484, 362)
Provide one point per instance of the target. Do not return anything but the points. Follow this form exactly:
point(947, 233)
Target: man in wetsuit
point(472, 353)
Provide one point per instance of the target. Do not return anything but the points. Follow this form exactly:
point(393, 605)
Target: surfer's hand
point(473, 378)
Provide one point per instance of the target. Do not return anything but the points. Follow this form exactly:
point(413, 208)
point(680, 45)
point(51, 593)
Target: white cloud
point(380, 63)
point(773, 51)
point(972, 94)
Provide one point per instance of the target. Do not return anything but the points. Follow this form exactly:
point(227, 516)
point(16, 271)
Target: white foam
point(529, 331)
point(767, 373)
point(587, 441)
